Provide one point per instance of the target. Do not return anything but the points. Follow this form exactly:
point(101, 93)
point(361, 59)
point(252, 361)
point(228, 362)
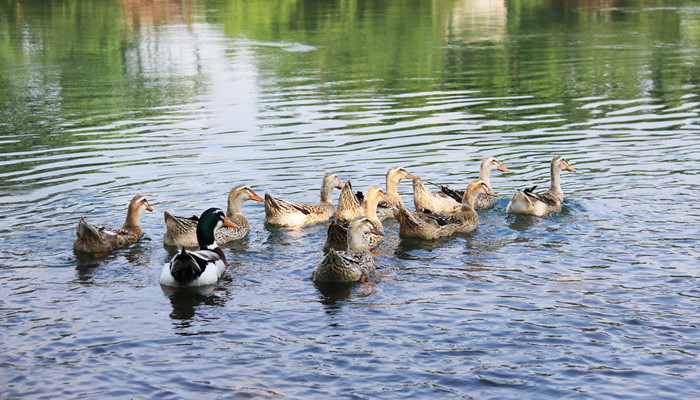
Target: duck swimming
point(337, 237)
point(541, 204)
point(289, 214)
point(101, 240)
point(449, 200)
point(200, 267)
point(182, 231)
point(352, 265)
point(393, 177)
point(431, 226)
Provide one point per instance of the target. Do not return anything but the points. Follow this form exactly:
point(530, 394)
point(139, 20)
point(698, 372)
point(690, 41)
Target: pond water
point(182, 100)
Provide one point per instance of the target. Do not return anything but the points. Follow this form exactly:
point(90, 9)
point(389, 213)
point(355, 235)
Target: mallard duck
point(288, 214)
point(338, 232)
point(541, 204)
point(393, 177)
point(101, 240)
point(182, 231)
point(352, 265)
point(449, 200)
point(200, 267)
point(431, 226)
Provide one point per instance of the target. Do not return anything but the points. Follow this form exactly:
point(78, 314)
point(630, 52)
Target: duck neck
point(326, 192)
point(468, 201)
point(234, 206)
point(205, 235)
point(391, 184)
point(555, 186)
point(133, 216)
point(485, 174)
point(371, 208)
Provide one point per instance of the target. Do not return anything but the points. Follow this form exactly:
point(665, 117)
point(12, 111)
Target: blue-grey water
point(181, 101)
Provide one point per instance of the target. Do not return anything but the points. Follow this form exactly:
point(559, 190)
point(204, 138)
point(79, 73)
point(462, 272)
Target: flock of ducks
point(356, 229)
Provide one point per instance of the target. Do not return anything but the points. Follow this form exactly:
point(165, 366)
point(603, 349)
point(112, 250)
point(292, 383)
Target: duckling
point(393, 177)
point(338, 233)
point(288, 214)
point(541, 204)
point(182, 231)
point(204, 266)
point(101, 240)
point(432, 226)
point(448, 200)
point(352, 265)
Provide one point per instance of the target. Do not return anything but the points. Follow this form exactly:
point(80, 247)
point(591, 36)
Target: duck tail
point(173, 223)
point(337, 237)
point(184, 267)
point(86, 230)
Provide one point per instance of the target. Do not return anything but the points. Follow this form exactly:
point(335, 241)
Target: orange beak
point(570, 168)
point(387, 201)
point(257, 198)
point(502, 168)
point(228, 222)
point(412, 177)
point(148, 207)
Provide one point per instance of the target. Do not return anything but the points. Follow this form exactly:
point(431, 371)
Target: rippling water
point(180, 102)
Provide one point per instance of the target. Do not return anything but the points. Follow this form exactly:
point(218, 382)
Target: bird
point(101, 240)
point(393, 176)
point(428, 225)
point(338, 231)
point(292, 215)
point(203, 266)
point(541, 204)
point(355, 263)
point(182, 231)
point(449, 200)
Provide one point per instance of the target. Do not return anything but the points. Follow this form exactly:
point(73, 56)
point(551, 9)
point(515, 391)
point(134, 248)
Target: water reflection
point(186, 301)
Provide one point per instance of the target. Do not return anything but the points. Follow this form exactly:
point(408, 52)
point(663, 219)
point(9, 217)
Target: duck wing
point(456, 195)
point(545, 197)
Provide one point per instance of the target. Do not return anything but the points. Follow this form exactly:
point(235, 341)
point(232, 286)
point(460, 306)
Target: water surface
point(182, 101)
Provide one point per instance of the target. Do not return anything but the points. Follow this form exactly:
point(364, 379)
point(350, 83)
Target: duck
point(182, 231)
point(393, 176)
point(355, 263)
point(101, 240)
point(350, 204)
point(337, 237)
point(294, 215)
point(199, 267)
point(449, 200)
point(541, 204)
point(429, 225)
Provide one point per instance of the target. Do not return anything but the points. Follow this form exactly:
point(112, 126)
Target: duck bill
point(570, 168)
point(503, 169)
point(415, 178)
point(257, 198)
point(148, 207)
point(387, 201)
point(376, 232)
point(227, 222)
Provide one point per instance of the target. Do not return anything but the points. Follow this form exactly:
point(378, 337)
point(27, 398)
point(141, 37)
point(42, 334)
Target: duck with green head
point(200, 267)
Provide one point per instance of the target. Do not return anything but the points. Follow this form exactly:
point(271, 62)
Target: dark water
point(180, 101)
